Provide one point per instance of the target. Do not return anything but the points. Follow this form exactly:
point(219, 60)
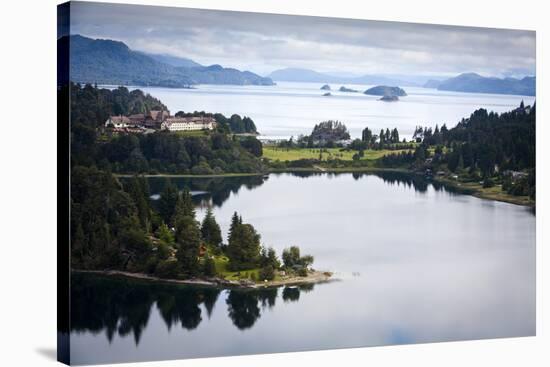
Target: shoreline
point(464, 189)
point(314, 277)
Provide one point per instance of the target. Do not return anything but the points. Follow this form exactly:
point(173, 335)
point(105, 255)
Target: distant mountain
point(112, 62)
point(175, 61)
point(312, 76)
point(475, 83)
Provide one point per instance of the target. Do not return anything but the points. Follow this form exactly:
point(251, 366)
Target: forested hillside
point(113, 62)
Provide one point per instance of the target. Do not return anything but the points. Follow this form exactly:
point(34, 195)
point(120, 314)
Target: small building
point(188, 123)
point(117, 122)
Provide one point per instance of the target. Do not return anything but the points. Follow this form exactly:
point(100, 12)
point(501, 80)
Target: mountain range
point(104, 61)
point(475, 83)
point(312, 76)
point(467, 82)
point(113, 62)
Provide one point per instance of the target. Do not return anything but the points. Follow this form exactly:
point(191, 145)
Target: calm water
point(415, 263)
point(294, 108)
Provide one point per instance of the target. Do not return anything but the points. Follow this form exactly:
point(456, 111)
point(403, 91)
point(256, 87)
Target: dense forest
point(114, 223)
point(115, 226)
point(91, 106)
point(159, 152)
point(486, 146)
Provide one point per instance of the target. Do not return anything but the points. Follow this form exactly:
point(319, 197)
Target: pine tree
point(188, 245)
point(167, 201)
point(243, 247)
point(210, 229)
point(233, 227)
point(382, 137)
point(139, 192)
point(184, 206)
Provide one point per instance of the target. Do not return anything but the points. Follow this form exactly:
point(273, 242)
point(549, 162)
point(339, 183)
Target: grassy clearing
point(221, 263)
point(292, 154)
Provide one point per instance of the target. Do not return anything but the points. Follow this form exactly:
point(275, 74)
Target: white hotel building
point(188, 123)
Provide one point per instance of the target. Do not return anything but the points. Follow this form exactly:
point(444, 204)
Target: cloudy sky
point(263, 42)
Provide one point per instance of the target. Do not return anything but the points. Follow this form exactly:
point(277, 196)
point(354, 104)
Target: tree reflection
point(120, 306)
point(206, 189)
point(243, 308)
point(216, 190)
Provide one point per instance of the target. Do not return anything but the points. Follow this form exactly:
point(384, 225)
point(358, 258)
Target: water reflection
point(214, 190)
point(123, 306)
point(217, 190)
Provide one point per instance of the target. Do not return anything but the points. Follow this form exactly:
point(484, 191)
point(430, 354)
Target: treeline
point(233, 124)
point(158, 152)
point(91, 106)
point(164, 152)
point(114, 226)
point(487, 146)
point(326, 134)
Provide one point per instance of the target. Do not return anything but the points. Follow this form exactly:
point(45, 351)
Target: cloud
point(263, 42)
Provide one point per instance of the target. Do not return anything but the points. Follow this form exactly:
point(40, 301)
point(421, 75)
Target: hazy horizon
point(263, 43)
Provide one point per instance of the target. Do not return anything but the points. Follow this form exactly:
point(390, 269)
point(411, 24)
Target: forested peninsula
point(115, 227)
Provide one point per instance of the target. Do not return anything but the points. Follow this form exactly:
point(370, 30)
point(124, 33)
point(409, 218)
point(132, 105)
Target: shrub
point(267, 273)
point(488, 182)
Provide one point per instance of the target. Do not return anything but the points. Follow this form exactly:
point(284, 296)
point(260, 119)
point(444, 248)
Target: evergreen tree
point(188, 241)
point(164, 234)
point(136, 189)
point(366, 135)
point(382, 137)
point(167, 201)
point(233, 226)
point(184, 206)
point(243, 249)
point(211, 232)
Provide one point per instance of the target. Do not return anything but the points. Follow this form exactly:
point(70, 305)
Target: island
point(347, 90)
point(327, 94)
point(388, 98)
point(325, 87)
point(384, 90)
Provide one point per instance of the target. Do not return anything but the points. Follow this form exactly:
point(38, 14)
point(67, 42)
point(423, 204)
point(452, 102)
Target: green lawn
point(288, 154)
point(221, 269)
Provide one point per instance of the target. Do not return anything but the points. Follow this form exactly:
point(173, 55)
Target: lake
point(413, 263)
point(290, 109)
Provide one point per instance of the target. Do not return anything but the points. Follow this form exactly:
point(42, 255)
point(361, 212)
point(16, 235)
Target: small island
point(384, 90)
point(325, 87)
point(327, 94)
point(347, 90)
point(388, 98)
